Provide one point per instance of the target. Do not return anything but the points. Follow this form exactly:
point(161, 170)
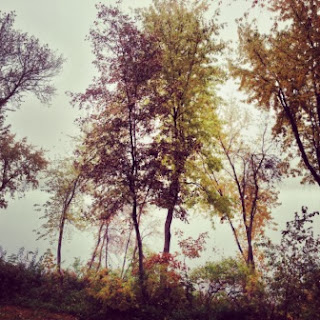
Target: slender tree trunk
point(126, 252)
point(167, 232)
point(140, 249)
point(174, 191)
point(61, 230)
point(94, 254)
point(234, 231)
point(67, 201)
point(106, 236)
point(134, 253)
point(100, 254)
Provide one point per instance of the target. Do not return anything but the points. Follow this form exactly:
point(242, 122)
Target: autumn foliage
point(158, 142)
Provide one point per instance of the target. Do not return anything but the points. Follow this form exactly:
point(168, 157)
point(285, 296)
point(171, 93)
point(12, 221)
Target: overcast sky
point(63, 25)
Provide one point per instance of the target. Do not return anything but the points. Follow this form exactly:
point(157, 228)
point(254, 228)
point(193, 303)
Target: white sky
point(63, 25)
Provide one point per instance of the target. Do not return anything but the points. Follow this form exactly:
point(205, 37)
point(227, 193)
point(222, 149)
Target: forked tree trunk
point(94, 254)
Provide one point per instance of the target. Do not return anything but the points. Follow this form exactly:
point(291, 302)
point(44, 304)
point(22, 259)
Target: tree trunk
point(94, 254)
point(61, 229)
point(125, 253)
point(250, 258)
point(174, 191)
point(167, 232)
point(100, 253)
point(236, 237)
point(295, 130)
point(69, 197)
point(140, 249)
point(106, 235)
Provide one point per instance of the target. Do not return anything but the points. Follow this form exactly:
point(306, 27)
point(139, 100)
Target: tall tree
point(117, 139)
point(281, 71)
point(189, 47)
point(25, 65)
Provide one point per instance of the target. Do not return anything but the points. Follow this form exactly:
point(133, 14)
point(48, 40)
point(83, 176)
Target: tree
point(252, 174)
point(64, 205)
point(242, 192)
point(187, 89)
point(117, 138)
point(25, 65)
point(20, 165)
point(280, 71)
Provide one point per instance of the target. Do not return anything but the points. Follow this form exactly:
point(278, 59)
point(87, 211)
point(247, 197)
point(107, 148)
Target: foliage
point(25, 65)
point(230, 289)
point(294, 270)
point(28, 280)
point(280, 71)
point(192, 248)
point(20, 165)
point(187, 98)
point(242, 192)
point(162, 275)
point(112, 290)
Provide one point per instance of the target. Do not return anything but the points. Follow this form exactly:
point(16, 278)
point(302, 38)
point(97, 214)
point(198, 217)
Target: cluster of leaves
point(19, 165)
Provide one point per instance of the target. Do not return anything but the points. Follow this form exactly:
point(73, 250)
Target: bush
point(294, 271)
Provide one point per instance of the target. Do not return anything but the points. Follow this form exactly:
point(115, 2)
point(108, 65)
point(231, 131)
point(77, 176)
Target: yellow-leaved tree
point(186, 94)
point(281, 72)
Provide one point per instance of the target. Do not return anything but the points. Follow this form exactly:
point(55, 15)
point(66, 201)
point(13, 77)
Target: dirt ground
point(19, 313)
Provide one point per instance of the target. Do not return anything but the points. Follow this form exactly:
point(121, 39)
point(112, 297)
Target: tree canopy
point(25, 65)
